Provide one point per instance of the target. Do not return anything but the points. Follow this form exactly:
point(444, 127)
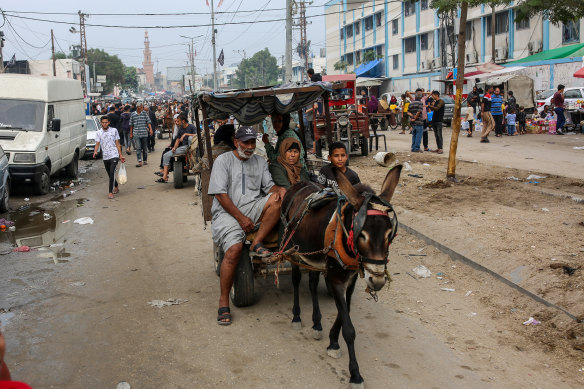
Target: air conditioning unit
point(423, 65)
point(436, 63)
point(472, 57)
point(534, 47)
point(500, 54)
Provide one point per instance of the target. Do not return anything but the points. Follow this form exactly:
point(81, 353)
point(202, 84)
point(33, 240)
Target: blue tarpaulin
point(370, 69)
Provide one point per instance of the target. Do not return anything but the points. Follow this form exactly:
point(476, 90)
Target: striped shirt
point(496, 102)
point(140, 123)
point(415, 107)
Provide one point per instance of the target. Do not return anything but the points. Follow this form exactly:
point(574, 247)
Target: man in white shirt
point(108, 139)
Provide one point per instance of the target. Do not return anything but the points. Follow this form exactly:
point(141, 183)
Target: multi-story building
point(412, 40)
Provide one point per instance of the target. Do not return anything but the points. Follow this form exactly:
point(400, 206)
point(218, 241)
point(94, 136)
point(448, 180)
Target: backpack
point(125, 121)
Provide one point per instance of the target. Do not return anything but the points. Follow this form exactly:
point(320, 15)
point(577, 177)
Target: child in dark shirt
point(521, 120)
point(338, 157)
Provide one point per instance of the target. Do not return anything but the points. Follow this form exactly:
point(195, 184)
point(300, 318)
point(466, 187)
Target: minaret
point(147, 65)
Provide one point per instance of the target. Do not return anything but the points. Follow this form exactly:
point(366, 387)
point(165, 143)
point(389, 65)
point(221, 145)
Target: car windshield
point(545, 94)
point(21, 115)
point(447, 99)
point(91, 125)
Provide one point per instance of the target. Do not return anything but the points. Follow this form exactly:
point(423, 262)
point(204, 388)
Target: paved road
point(78, 314)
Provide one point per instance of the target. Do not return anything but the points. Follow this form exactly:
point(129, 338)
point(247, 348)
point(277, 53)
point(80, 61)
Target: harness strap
point(334, 237)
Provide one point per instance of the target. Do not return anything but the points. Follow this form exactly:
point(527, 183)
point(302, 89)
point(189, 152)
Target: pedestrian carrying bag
point(122, 175)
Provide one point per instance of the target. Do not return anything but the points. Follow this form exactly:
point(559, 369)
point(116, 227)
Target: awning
point(369, 81)
point(489, 67)
point(576, 50)
point(370, 69)
point(579, 73)
point(506, 70)
point(499, 80)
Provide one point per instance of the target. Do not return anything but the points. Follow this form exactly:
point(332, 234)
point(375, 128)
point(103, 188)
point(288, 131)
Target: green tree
point(556, 11)
point(259, 70)
point(60, 55)
point(369, 56)
point(105, 64)
point(130, 80)
point(341, 65)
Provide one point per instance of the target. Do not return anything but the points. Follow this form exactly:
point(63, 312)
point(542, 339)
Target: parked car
point(4, 181)
point(448, 109)
point(571, 96)
point(42, 127)
point(542, 96)
point(92, 124)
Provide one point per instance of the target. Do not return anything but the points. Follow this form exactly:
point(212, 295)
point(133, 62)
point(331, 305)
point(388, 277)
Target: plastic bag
point(122, 174)
point(465, 125)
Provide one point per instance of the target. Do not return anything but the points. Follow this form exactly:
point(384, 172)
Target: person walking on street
point(511, 102)
point(473, 100)
point(417, 122)
point(108, 139)
point(125, 129)
point(497, 112)
point(558, 102)
point(437, 108)
point(154, 123)
point(405, 120)
point(488, 122)
point(140, 128)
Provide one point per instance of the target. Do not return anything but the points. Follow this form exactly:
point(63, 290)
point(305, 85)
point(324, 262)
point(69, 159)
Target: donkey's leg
point(350, 290)
point(296, 275)
point(314, 277)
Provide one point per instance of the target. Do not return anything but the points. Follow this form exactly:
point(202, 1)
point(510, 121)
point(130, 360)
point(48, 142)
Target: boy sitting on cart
point(244, 196)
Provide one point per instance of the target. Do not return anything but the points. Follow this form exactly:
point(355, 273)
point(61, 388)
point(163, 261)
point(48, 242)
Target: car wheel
point(42, 186)
point(72, 170)
point(6, 198)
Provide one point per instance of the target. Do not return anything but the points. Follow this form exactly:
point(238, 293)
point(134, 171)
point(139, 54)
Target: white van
point(42, 127)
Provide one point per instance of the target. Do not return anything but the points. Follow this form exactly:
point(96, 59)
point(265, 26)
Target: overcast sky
point(168, 48)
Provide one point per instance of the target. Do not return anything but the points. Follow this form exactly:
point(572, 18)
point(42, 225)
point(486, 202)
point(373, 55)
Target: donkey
point(346, 237)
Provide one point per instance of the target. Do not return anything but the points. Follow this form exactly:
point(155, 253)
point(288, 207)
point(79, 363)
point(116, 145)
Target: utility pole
point(304, 49)
point(214, 32)
point(192, 56)
point(83, 51)
point(288, 76)
point(94, 79)
point(283, 70)
point(1, 46)
point(53, 51)
point(493, 27)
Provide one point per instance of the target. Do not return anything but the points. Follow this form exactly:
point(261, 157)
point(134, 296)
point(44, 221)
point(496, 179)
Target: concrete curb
point(459, 257)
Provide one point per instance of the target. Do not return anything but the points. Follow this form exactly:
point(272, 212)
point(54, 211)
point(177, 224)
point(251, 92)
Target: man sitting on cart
point(180, 144)
point(244, 196)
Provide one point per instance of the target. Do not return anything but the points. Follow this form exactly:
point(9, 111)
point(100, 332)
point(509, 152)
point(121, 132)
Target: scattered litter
point(533, 182)
point(553, 259)
point(474, 161)
point(6, 222)
point(21, 249)
point(141, 187)
point(161, 303)
point(535, 177)
point(65, 222)
point(422, 249)
point(578, 148)
point(512, 178)
point(440, 274)
point(545, 209)
point(531, 321)
point(26, 199)
point(407, 167)
point(123, 385)
point(468, 293)
point(448, 289)
point(416, 255)
point(416, 175)
point(12, 228)
point(426, 164)
point(46, 216)
point(422, 271)
point(472, 314)
point(78, 283)
point(83, 220)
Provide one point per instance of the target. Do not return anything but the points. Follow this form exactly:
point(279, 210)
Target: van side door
point(50, 148)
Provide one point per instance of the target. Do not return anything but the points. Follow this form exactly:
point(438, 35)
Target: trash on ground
point(422, 249)
point(513, 178)
point(416, 175)
point(161, 303)
point(26, 199)
point(78, 283)
point(426, 164)
point(535, 177)
point(83, 220)
point(545, 209)
point(46, 216)
point(468, 293)
point(6, 222)
point(578, 147)
point(65, 222)
point(474, 161)
point(422, 271)
point(533, 182)
point(12, 228)
point(417, 255)
point(407, 167)
point(448, 289)
point(531, 321)
point(21, 249)
point(123, 385)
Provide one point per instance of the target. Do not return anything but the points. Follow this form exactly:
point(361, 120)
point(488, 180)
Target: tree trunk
point(458, 99)
point(493, 27)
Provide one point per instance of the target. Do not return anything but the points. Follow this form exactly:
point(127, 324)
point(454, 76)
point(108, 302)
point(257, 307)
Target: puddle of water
point(5, 318)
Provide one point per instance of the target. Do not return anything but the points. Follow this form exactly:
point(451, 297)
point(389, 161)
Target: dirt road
point(76, 315)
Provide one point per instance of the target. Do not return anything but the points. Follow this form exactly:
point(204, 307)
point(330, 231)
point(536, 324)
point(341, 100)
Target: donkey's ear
point(390, 183)
point(345, 186)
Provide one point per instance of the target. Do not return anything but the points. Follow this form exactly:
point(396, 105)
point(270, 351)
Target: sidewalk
point(551, 154)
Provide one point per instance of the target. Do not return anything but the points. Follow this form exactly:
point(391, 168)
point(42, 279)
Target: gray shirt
point(243, 181)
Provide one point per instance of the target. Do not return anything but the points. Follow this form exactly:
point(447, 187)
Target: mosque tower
point(148, 65)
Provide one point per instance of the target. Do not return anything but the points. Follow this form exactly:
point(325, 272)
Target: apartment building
point(407, 38)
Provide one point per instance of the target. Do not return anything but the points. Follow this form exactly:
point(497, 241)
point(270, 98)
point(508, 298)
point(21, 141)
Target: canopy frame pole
point(207, 135)
point(302, 132)
point(327, 118)
point(195, 112)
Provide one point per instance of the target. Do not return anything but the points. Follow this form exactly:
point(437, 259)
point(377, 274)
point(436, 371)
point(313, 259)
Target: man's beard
point(242, 153)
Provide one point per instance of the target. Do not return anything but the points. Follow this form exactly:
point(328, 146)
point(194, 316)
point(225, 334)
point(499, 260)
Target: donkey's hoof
point(357, 386)
point(297, 325)
point(316, 334)
point(334, 353)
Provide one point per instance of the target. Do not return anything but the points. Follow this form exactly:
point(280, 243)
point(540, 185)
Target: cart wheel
point(177, 174)
point(364, 147)
point(159, 136)
point(217, 258)
point(242, 289)
point(384, 124)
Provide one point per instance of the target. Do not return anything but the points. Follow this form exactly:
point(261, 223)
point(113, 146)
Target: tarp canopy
point(576, 50)
point(251, 106)
point(522, 87)
point(506, 70)
point(370, 69)
point(499, 79)
point(579, 73)
point(369, 81)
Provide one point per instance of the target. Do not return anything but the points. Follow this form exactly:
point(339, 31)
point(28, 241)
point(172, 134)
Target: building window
point(394, 26)
point(349, 31)
point(424, 41)
point(522, 25)
point(410, 44)
point(357, 28)
point(350, 58)
point(369, 23)
point(468, 33)
point(424, 4)
point(409, 8)
point(379, 50)
point(342, 33)
point(501, 23)
point(395, 61)
point(378, 19)
point(357, 57)
point(571, 32)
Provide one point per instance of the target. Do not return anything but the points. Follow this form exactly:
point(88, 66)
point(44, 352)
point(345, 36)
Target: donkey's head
point(373, 226)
